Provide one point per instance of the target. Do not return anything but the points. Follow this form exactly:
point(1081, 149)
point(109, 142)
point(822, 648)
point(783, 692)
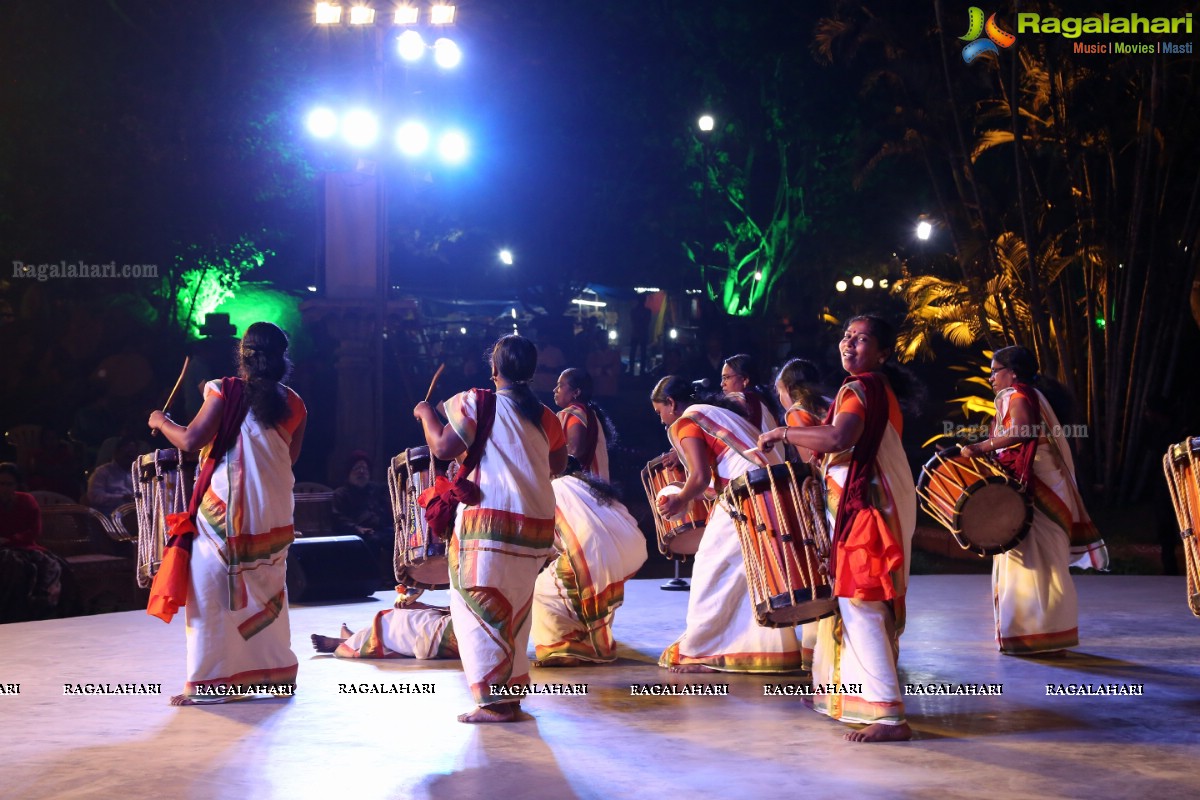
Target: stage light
point(868, 283)
point(452, 147)
point(410, 46)
point(924, 230)
point(757, 275)
point(506, 257)
point(705, 123)
point(360, 128)
point(407, 15)
point(446, 53)
point(463, 331)
point(840, 286)
point(412, 139)
point(612, 335)
point(322, 123)
point(673, 334)
point(441, 14)
point(883, 283)
point(312, 288)
point(857, 280)
point(362, 15)
point(328, 14)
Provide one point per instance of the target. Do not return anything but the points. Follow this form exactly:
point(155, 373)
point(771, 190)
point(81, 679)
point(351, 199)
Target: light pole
point(401, 30)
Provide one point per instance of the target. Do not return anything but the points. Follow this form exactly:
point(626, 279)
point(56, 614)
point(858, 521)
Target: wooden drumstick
point(175, 389)
point(433, 383)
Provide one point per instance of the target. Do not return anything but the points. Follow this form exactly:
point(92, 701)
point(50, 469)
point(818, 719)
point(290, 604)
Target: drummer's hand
point(759, 456)
point(767, 439)
point(423, 410)
point(971, 451)
point(669, 506)
point(670, 460)
point(157, 419)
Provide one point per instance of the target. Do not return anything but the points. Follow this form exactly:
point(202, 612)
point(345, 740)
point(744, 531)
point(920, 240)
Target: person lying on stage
point(584, 424)
point(739, 381)
point(252, 426)
point(574, 602)
point(872, 509)
point(721, 634)
point(1036, 609)
point(499, 544)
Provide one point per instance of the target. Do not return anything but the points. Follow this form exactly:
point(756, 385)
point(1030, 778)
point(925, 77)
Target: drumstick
point(433, 383)
point(174, 390)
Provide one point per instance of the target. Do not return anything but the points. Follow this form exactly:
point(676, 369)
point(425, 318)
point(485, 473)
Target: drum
point(678, 537)
point(982, 505)
point(160, 487)
point(779, 513)
point(419, 558)
point(1182, 467)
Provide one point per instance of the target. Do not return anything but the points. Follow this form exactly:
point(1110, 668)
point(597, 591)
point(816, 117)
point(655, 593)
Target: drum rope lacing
point(152, 511)
point(1186, 512)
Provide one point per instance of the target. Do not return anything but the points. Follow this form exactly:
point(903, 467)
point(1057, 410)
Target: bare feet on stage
point(691, 668)
point(345, 632)
point(499, 712)
point(881, 733)
point(550, 663)
point(182, 700)
point(326, 644)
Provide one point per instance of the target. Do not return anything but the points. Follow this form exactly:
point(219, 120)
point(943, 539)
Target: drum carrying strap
point(862, 461)
point(170, 589)
point(441, 500)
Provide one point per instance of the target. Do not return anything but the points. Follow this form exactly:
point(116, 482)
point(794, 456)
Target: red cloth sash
point(169, 592)
point(441, 500)
point(861, 558)
point(1018, 459)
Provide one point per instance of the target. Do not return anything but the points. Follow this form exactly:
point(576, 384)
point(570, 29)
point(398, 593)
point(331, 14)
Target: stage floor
point(607, 743)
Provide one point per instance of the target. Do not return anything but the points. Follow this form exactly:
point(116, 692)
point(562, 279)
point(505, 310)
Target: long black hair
point(803, 383)
point(579, 380)
point(683, 392)
point(1024, 365)
point(514, 358)
point(263, 364)
point(604, 492)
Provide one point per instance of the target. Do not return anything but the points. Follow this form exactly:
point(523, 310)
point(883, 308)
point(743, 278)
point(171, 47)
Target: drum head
point(432, 573)
point(994, 517)
point(684, 542)
point(670, 490)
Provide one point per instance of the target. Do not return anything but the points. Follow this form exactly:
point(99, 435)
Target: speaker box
point(322, 568)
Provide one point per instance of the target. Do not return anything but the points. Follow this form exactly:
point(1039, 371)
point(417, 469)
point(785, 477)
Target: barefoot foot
point(182, 700)
point(881, 733)
point(680, 668)
point(499, 712)
point(325, 644)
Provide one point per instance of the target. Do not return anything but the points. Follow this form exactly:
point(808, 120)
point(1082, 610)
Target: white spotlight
point(360, 128)
point(412, 139)
point(840, 286)
point(452, 147)
point(446, 53)
point(868, 283)
point(924, 229)
point(322, 123)
point(410, 46)
point(328, 14)
point(857, 280)
point(506, 257)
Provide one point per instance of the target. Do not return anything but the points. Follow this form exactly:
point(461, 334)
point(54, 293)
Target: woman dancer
point(871, 504)
point(1034, 597)
point(501, 542)
point(722, 634)
point(252, 426)
point(584, 424)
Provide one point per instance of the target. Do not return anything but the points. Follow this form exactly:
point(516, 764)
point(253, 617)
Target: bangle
point(786, 431)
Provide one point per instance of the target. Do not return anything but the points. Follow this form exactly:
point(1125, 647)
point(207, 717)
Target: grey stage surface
point(607, 743)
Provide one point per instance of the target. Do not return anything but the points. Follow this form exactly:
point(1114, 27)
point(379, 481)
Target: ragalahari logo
point(996, 38)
